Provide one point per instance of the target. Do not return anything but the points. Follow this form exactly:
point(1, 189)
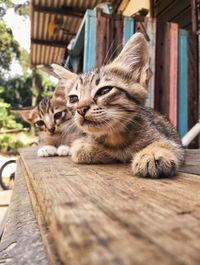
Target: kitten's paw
point(85, 153)
point(47, 150)
point(81, 152)
point(155, 164)
point(63, 150)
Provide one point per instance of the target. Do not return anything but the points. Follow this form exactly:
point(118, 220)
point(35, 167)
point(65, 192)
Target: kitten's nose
point(82, 110)
point(52, 130)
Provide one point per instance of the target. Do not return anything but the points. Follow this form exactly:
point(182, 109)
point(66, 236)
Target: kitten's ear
point(26, 113)
point(59, 94)
point(133, 59)
point(62, 72)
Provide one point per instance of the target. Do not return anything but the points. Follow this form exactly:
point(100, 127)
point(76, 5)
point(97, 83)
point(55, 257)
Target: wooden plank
point(21, 242)
point(109, 34)
point(160, 6)
point(101, 39)
point(192, 164)
point(192, 84)
point(128, 28)
point(117, 35)
point(174, 9)
point(183, 83)
point(101, 214)
point(89, 41)
point(194, 18)
point(173, 75)
point(162, 68)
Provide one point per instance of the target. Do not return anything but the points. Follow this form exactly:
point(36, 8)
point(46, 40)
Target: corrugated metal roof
point(48, 44)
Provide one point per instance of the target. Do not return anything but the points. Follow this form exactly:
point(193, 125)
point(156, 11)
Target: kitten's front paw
point(47, 150)
point(81, 152)
point(155, 164)
point(63, 150)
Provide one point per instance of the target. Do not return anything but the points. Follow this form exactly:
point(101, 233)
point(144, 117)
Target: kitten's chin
point(91, 127)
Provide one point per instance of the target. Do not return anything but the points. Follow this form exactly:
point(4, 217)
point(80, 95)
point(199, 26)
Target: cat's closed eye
point(104, 90)
point(73, 98)
point(39, 123)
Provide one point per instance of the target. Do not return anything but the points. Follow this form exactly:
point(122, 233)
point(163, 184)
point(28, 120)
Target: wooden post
point(109, 35)
point(173, 76)
point(89, 41)
point(183, 83)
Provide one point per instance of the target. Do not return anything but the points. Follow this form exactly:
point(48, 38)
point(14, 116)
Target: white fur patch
point(63, 150)
point(47, 150)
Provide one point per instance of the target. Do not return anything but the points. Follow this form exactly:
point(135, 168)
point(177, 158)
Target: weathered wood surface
point(101, 214)
point(21, 242)
point(192, 162)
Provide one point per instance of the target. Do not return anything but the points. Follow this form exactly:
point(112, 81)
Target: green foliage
point(24, 60)
point(7, 120)
point(9, 47)
point(7, 3)
point(22, 9)
point(18, 91)
point(9, 145)
point(42, 84)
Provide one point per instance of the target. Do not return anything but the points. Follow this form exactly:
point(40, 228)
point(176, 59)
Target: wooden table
point(100, 215)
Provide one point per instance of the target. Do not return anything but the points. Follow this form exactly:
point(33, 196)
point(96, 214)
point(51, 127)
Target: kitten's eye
point(39, 123)
point(104, 90)
point(58, 115)
point(73, 98)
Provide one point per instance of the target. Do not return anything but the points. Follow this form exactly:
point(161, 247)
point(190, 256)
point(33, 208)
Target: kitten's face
point(106, 100)
point(50, 115)
point(101, 102)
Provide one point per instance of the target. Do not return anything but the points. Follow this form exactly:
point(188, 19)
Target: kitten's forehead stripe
point(81, 80)
point(97, 81)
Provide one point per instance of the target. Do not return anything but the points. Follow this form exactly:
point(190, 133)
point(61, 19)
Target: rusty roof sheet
point(49, 42)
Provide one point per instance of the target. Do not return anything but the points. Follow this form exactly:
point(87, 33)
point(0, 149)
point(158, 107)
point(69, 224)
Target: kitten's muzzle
point(82, 110)
point(52, 130)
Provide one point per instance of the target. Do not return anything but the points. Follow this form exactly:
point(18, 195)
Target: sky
point(21, 30)
point(20, 26)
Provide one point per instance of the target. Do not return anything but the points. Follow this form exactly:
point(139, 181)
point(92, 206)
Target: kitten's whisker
point(111, 45)
point(115, 50)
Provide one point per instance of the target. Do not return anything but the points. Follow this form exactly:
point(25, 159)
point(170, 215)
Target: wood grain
point(21, 242)
point(109, 37)
point(101, 214)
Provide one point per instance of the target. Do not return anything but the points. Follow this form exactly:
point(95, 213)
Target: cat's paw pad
point(47, 150)
point(63, 150)
point(155, 164)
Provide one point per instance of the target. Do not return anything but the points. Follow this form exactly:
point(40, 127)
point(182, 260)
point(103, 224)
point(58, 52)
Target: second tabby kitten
point(109, 105)
point(53, 121)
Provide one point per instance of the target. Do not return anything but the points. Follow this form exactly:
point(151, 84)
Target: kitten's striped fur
point(109, 104)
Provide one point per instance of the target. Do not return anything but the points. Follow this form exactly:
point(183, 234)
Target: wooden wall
point(173, 59)
point(178, 11)
point(173, 88)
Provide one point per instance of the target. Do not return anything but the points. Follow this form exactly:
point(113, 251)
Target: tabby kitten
point(53, 121)
point(109, 104)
